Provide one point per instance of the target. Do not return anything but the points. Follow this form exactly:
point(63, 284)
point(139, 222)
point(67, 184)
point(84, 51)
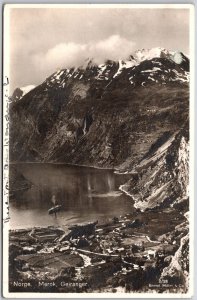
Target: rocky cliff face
point(177, 272)
point(161, 180)
point(162, 176)
point(104, 115)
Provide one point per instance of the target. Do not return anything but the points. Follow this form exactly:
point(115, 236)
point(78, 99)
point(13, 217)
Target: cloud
point(114, 48)
point(45, 39)
point(66, 55)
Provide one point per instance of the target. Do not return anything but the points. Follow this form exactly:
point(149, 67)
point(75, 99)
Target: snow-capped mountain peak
point(142, 68)
point(147, 54)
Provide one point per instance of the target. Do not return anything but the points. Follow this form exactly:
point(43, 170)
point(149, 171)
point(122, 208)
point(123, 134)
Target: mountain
point(162, 175)
point(20, 92)
point(131, 115)
point(103, 115)
point(161, 181)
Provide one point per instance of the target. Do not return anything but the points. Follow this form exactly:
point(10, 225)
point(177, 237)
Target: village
point(114, 256)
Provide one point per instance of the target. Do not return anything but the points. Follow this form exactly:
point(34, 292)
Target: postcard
point(98, 135)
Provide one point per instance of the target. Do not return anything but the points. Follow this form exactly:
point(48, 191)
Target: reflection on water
point(86, 194)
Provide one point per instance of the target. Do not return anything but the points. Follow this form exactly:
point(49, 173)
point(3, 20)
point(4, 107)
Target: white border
point(5, 90)
point(6, 48)
point(191, 149)
point(103, 6)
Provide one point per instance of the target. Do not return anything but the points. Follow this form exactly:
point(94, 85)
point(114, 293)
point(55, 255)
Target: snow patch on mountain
point(154, 69)
point(144, 67)
point(177, 58)
point(27, 89)
point(148, 54)
point(124, 65)
point(101, 71)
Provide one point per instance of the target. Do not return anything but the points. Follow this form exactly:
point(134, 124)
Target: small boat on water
point(54, 209)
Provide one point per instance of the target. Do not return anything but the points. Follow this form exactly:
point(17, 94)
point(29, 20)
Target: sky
point(44, 40)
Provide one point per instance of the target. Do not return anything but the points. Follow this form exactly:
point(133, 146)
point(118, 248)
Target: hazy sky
point(43, 40)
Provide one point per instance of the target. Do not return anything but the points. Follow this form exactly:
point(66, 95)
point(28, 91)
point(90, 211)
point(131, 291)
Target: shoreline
point(120, 251)
point(66, 164)
point(129, 252)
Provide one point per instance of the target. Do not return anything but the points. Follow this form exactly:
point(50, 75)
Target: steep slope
point(162, 176)
point(104, 115)
point(177, 272)
point(161, 180)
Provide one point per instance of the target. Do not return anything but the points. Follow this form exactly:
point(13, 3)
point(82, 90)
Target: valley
point(131, 119)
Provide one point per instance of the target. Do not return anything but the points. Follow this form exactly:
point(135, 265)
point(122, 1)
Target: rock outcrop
point(162, 180)
point(163, 174)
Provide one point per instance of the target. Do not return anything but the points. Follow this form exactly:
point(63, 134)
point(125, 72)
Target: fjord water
point(86, 194)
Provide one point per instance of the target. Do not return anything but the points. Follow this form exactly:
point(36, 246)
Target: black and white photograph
point(97, 149)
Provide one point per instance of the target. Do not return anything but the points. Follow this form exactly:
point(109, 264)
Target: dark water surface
point(86, 194)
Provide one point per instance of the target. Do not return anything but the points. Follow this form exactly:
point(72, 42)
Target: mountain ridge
point(61, 119)
point(133, 60)
point(131, 118)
